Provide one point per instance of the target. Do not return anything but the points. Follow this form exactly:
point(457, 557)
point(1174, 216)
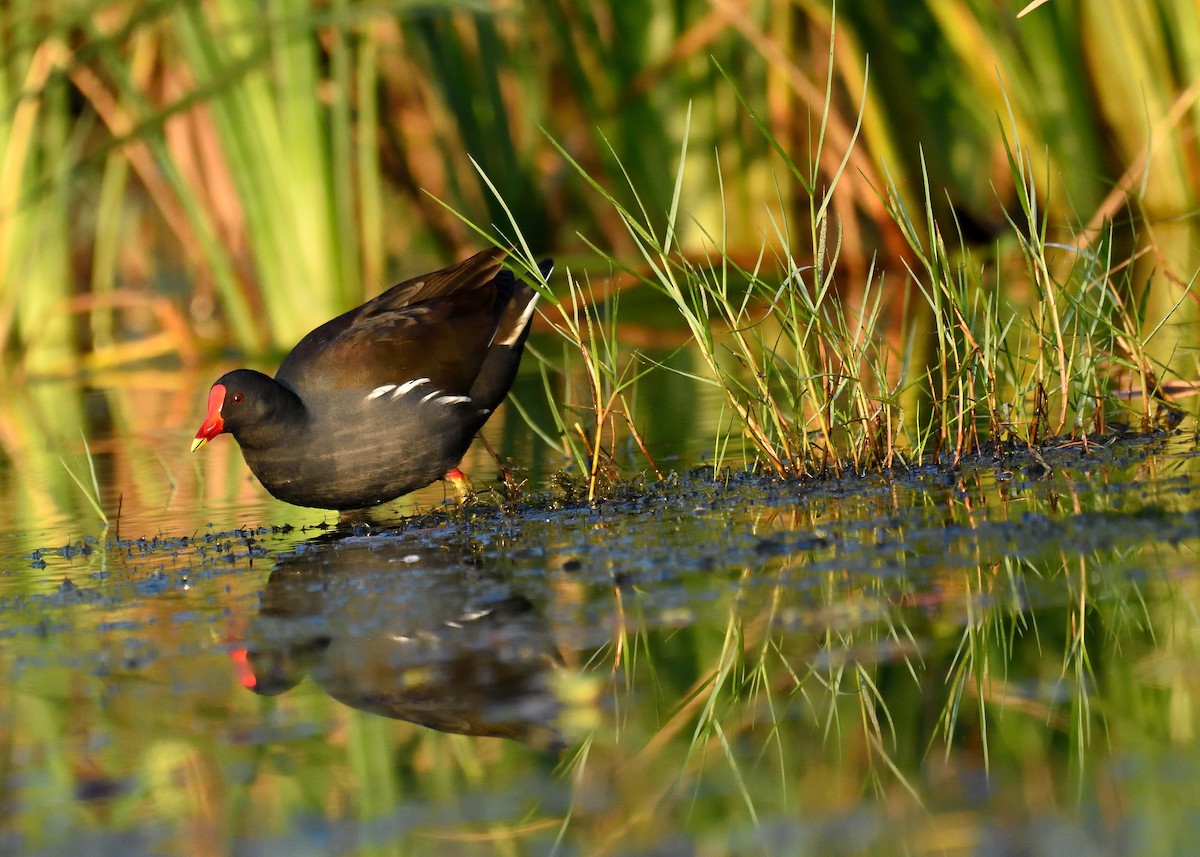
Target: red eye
point(236, 398)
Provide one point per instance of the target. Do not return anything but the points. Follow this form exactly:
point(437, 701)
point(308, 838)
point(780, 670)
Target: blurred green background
point(181, 176)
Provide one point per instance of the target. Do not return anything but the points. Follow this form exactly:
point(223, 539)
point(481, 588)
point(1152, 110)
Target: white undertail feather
point(519, 327)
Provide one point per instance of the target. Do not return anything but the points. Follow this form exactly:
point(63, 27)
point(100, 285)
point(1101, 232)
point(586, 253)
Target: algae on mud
point(947, 661)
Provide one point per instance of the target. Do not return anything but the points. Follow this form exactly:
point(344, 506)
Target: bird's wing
point(437, 326)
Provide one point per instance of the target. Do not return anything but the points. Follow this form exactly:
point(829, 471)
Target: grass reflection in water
point(953, 661)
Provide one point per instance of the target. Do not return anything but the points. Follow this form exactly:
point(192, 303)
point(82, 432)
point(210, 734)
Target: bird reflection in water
point(410, 630)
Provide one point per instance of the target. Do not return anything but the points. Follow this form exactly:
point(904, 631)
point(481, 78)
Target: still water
point(986, 660)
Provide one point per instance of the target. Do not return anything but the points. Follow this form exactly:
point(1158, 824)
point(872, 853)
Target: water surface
point(988, 659)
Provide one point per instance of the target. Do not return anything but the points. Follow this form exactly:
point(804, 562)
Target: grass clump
point(937, 357)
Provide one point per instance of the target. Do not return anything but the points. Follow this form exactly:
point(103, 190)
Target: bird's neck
point(282, 423)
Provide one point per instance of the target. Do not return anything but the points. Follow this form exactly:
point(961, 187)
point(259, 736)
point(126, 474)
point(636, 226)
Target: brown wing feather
point(437, 326)
point(465, 276)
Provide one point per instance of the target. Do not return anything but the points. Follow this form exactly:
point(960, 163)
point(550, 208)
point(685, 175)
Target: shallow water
point(988, 660)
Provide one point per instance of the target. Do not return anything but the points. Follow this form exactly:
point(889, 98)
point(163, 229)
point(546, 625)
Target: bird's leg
point(462, 485)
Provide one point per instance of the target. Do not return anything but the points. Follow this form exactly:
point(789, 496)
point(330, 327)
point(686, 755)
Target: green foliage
point(840, 246)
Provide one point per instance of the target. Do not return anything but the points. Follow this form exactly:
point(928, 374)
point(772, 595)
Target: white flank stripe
point(408, 386)
point(453, 400)
point(380, 391)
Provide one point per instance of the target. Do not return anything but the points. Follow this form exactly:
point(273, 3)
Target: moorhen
point(386, 398)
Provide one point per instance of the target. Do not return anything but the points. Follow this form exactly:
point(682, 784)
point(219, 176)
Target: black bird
point(386, 398)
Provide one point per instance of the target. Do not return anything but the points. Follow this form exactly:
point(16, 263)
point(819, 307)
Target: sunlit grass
point(277, 157)
point(805, 364)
